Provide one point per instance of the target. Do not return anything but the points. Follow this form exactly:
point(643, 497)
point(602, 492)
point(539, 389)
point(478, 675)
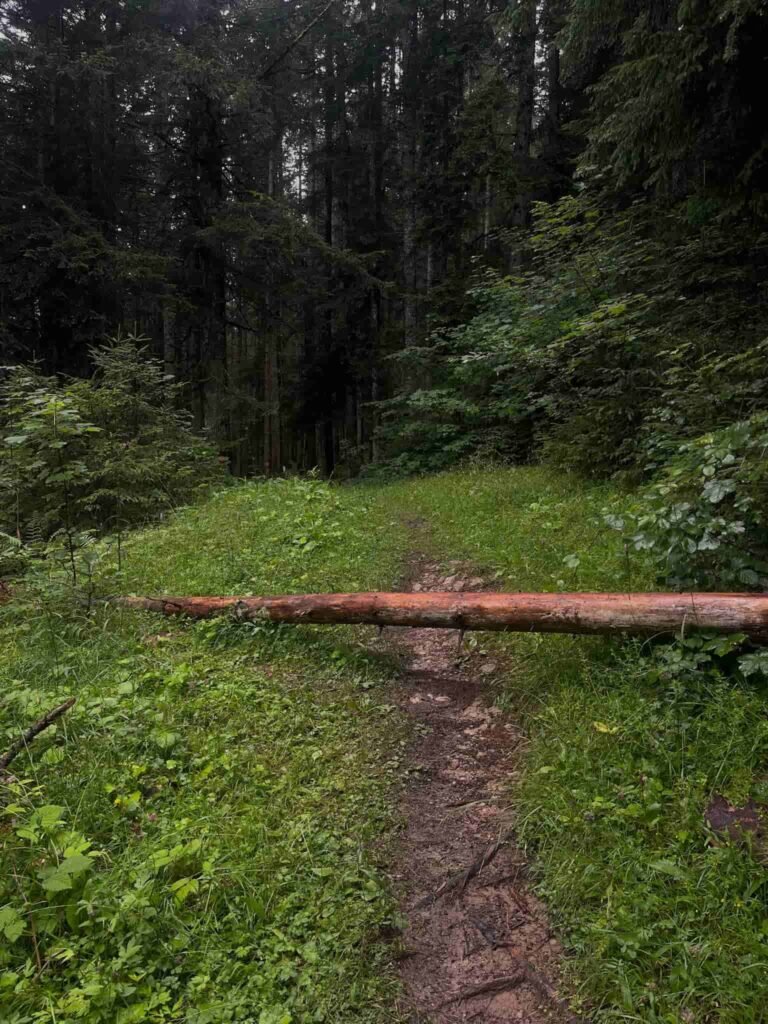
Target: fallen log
point(641, 614)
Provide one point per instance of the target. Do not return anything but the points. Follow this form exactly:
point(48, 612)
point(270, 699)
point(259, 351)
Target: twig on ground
point(462, 878)
point(512, 877)
point(525, 973)
point(519, 899)
point(490, 935)
point(479, 798)
point(34, 730)
point(502, 984)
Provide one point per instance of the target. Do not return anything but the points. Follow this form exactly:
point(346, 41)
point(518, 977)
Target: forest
point(444, 302)
point(396, 233)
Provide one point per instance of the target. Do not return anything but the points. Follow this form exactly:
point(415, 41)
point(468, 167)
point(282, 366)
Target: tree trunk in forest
point(525, 77)
point(203, 283)
point(409, 170)
point(641, 614)
point(205, 269)
point(553, 149)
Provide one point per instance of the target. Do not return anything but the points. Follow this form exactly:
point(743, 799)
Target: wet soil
point(477, 945)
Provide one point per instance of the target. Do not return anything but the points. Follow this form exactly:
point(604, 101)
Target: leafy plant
point(705, 517)
point(629, 333)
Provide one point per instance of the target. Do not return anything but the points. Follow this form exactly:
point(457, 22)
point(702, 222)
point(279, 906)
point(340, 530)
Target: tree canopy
point(370, 231)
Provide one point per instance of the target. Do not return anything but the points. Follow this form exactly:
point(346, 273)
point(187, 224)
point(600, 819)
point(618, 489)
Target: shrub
point(85, 458)
point(705, 514)
point(632, 331)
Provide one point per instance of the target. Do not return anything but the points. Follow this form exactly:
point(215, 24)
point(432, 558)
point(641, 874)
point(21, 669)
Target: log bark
point(640, 614)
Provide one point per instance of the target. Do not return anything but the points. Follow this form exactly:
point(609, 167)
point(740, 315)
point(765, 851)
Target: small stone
point(417, 587)
point(488, 668)
point(459, 585)
point(477, 581)
point(448, 582)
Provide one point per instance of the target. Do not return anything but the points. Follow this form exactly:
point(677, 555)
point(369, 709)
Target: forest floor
point(247, 824)
point(477, 944)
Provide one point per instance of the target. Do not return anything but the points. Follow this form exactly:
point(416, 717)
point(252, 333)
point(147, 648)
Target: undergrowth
point(666, 921)
point(197, 839)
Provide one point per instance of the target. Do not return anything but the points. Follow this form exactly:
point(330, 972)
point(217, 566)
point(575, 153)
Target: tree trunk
point(409, 160)
point(641, 614)
point(525, 76)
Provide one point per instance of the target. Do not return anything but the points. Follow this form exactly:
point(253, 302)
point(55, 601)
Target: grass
point(203, 838)
point(197, 841)
point(665, 921)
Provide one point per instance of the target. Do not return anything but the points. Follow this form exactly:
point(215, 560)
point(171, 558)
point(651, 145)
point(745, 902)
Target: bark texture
point(641, 614)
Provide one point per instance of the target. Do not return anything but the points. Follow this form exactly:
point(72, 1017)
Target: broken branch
point(524, 973)
point(34, 730)
point(462, 878)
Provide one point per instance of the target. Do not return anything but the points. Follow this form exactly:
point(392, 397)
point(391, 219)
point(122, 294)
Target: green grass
point(665, 921)
point(197, 841)
point(203, 838)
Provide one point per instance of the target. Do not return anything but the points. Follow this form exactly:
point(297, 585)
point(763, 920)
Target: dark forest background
point(395, 231)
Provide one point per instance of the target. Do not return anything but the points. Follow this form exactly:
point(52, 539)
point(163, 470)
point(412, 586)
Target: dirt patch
point(737, 823)
point(477, 945)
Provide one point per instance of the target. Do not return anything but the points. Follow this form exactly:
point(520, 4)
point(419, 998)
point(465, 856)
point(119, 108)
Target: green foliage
point(146, 458)
point(705, 515)
point(198, 839)
point(667, 98)
point(88, 458)
point(628, 348)
point(627, 335)
point(44, 450)
point(664, 920)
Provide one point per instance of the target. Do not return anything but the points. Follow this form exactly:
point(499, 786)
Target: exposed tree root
point(525, 974)
point(461, 879)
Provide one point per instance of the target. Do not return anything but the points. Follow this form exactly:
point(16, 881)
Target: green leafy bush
point(705, 515)
point(631, 331)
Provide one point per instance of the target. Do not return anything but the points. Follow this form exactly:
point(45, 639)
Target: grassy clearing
point(195, 841)
point(666, 922)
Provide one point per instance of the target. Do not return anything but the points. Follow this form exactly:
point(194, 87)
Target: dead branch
point(462, 878)
point(34, 730)
point(502, 984)
point(294, 42)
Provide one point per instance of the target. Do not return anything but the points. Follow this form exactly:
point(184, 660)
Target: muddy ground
point(477, 945)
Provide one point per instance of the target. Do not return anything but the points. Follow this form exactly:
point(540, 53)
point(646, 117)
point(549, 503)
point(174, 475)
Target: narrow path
point(477, 946)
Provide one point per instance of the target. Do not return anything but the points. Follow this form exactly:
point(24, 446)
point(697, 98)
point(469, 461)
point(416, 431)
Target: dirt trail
point(477, 946)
